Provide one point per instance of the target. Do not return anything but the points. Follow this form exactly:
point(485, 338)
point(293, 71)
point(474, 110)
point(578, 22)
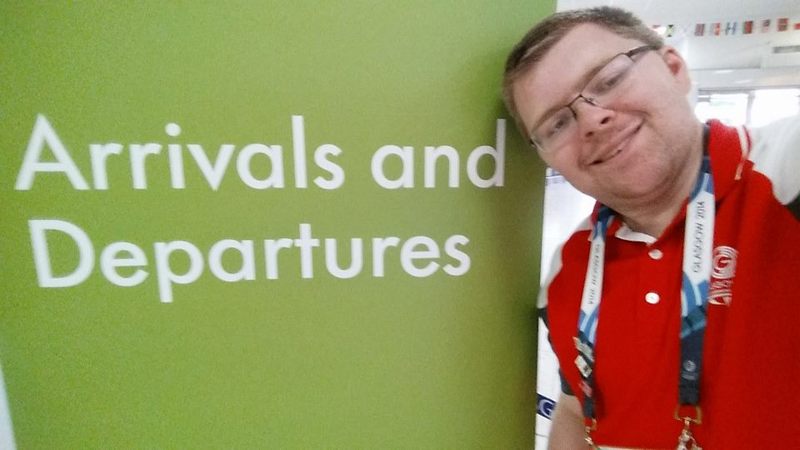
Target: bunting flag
point(700, 29)
point(732, 27)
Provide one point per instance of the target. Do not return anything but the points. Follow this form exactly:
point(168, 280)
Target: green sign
point(266, 225)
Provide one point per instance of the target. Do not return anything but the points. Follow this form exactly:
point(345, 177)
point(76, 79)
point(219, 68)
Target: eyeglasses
point(605, 86)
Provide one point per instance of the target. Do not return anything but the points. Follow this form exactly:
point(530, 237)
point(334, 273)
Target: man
point(693, 250)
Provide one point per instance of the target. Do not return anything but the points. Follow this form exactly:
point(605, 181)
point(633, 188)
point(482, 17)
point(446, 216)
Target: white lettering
point(214, 173)
point(356, 258)
point(452, 250)
point(275, 155)
point(175, 152)
point(271, 249)
point(409, 253)
point(406, 178)
point(164, 272)
point(496, 153)
point(100, 153)
point(432, 154)
point(379, 246)
point(43, 133)
point(245, 249)
point(109, 262)
point(299, 147)
point(306, 243)
point(41, 254)
point(213, 169)
point(337, 173)
point(139, 153)
point(182, 262)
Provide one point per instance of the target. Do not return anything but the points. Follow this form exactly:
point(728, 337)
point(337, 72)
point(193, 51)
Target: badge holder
point(590, 425)
point(686, 440)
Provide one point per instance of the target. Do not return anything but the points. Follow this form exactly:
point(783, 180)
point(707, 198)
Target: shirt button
point(652, 298)
point(656, 254)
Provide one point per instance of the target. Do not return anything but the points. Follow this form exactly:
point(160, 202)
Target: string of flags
point(732, 28)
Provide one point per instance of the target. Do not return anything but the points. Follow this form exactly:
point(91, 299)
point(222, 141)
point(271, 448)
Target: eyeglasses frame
point(630, 54)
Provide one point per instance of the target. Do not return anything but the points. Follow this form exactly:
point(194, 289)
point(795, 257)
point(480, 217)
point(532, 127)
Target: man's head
point(604, 102)
point(541, 38)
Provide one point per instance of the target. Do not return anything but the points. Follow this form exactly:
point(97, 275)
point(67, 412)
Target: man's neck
point(653, 216)
point(652, 223)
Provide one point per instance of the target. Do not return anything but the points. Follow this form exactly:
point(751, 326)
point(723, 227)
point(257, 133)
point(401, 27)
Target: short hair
point(544, 35)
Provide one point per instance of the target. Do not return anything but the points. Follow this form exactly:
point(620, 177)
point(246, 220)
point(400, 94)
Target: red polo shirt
point(750, 386)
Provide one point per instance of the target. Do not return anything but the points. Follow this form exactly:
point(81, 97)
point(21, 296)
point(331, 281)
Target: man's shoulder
point(576, 246)
point(564, 257)
point(785, 129)
point(573, 256)
point(772, 152)
point(775, 153)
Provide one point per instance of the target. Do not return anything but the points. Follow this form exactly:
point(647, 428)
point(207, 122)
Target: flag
point(730, 28)
point(716, 28)
point(765, 25)
point(783, 24)
point(700, 29)
point(748, 27)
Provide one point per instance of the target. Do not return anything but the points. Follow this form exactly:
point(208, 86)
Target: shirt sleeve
point(556, 265)
point(565, 387)
point(775, 153)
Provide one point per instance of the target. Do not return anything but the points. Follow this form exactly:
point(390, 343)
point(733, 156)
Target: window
point(753, 107)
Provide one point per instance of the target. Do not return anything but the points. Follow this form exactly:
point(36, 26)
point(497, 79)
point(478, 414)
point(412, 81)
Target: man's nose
point(591, 117)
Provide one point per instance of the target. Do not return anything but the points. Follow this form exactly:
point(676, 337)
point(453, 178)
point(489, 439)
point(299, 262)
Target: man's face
point(628, 150)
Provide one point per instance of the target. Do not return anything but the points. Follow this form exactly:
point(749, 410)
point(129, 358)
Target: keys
point(591, 425)
point(686, 441)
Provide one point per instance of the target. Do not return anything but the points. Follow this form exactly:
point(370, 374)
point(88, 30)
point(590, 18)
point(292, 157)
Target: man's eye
point(609, 82)
point(557, 125)
point(606, 81)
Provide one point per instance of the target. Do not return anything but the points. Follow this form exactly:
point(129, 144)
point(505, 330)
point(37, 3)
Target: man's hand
point(567, 431)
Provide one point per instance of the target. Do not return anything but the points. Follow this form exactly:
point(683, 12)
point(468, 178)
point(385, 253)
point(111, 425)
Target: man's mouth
point(608, 156)
point(617, 148)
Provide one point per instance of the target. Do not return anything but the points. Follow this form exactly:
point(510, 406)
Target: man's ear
point(677, 67)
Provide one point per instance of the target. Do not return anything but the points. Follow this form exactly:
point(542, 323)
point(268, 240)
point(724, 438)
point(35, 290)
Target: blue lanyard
point(697, 259)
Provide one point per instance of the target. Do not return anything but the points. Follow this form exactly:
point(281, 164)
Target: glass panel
point(730, 108)
point(773, 104)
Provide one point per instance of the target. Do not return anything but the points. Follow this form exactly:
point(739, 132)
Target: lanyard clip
point(686, 440)
point(590, 425)
point(687, 419)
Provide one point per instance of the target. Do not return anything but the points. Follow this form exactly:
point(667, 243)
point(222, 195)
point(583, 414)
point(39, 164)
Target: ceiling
point(725, 61)
point(660, 11)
